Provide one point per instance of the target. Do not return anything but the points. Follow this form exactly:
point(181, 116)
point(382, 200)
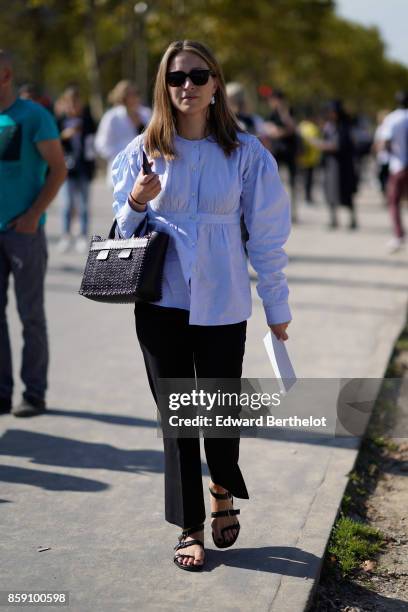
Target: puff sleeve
point(125, 168)
point(267, 215)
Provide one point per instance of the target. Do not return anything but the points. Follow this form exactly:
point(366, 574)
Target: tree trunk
point(91, 61)
point(140, 50)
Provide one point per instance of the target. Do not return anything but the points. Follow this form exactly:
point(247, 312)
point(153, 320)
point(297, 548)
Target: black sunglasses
point(197, 76)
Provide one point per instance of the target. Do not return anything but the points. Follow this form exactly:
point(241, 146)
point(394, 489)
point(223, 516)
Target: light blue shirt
point(203, 194)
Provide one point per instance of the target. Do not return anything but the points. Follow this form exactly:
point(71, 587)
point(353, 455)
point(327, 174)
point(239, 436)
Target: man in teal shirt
point(29, 145)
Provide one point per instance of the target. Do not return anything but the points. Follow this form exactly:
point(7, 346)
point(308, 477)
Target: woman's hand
point(279, 329)
point(146, 187)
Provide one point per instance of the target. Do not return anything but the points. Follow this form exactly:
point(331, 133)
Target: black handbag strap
point(140, 231)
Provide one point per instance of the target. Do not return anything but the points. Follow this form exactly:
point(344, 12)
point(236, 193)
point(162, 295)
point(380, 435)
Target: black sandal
point(184, 544)
point(236, 527)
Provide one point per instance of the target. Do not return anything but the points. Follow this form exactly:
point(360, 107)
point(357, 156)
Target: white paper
point(280, 362)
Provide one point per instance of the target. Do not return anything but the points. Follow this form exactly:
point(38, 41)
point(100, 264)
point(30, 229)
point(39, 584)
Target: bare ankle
point(218, 488)
point(196, 531)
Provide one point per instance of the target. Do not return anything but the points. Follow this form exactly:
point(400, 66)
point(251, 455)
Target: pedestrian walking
point(251, 123)
point(362, 138)
point(77, 128)
point(29, 145)
point(382, 154)
point(205, 172)
point(121, 123)
point(310, 156)
point(282, 131)
point(395, 135)
point(339, 172)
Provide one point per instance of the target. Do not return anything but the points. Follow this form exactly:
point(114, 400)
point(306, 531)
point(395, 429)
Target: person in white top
point(395, 140)
point(120, 124)
point(381, 153)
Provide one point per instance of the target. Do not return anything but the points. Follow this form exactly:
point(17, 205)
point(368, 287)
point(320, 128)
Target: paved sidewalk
point(86, 480)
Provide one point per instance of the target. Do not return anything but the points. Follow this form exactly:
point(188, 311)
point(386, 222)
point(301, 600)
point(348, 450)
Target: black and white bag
point(125, 270)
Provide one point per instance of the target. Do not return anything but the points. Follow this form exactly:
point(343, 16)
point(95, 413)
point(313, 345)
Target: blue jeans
point(25, 257)
point(75, 190)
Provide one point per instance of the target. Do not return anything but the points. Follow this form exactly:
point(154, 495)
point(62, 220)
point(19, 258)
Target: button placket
point(194, 188)
point(194, 209)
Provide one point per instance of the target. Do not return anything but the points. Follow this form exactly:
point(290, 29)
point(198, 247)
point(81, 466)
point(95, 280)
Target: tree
point(301, 46)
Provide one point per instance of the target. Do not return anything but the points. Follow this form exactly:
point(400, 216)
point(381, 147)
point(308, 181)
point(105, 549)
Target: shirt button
point(193, 194)
point(193, 217)
point(194, 167)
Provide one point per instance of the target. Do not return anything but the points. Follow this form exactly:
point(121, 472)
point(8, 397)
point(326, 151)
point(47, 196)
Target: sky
point(391, 18)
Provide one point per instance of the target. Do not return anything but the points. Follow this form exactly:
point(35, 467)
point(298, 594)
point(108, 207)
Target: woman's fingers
point(146, 179)
point(150, 185)
point(279, 329)
point(153, 185)
point(154, 193)
point(147, 187)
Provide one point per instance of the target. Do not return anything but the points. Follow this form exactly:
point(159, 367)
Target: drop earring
point(213, 100)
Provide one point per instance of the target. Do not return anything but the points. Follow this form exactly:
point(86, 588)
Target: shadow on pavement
point(113, 419)
point(46, 449)
point(285, 560)
point(49, 480)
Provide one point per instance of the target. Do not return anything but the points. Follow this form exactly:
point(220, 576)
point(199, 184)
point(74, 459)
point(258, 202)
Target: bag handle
point(139, 232)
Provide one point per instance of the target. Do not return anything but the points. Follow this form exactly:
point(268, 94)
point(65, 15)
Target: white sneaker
point(81, 244)
point(395, 244)
point(64, 244)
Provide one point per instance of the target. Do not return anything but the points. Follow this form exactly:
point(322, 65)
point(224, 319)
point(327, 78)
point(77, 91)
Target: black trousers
point(308, 174)
point(172, 348)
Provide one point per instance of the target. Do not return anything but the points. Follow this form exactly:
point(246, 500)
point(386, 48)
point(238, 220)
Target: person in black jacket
point(340, 179)
point(281, 128)
point(77, 129)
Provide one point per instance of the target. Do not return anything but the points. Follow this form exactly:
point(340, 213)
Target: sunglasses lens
point(176, 79)
point(200, 77)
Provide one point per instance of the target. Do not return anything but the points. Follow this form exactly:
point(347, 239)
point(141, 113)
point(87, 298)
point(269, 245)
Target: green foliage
point(385, 443)
point(402, 343)
point(301, 46)
point(352, 542)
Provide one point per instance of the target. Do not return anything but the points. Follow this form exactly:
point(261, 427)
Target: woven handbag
point(123, 271)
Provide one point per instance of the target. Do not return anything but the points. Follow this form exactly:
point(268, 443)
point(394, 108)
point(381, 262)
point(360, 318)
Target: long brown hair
point(222, 125)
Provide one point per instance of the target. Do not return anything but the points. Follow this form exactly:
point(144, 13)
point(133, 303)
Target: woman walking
point(77, 129)
point(205, 172)
point(340, 179)
point(121, 123)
